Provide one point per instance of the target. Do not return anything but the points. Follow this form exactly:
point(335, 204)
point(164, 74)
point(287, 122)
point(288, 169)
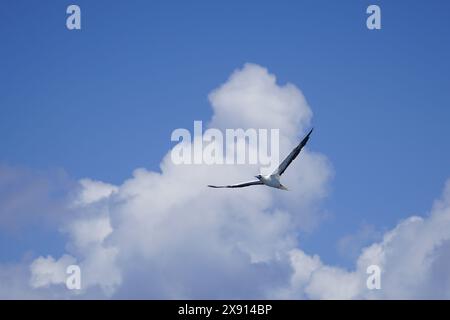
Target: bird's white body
point(272, 180)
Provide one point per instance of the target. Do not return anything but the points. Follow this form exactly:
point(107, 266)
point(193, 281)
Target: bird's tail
point(283, 188)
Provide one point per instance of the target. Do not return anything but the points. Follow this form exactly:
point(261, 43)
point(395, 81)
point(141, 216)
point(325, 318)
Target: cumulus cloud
point(47, 271)
point(15, 282)
point(413, 258)
point(164, 234)
point(252, 98)
point(93, 191)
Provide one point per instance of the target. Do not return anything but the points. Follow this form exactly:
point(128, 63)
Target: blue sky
point(103, 101)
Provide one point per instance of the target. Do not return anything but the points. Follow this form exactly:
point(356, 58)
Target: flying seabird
point(272, 180)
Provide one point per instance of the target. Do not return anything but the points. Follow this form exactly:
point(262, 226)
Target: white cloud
point(47, 271)
point(252, 98)
point(413, 257)
point(93, 191)
point(15, 282)
point(89, 231)
point(166, 235)
point(414, 254)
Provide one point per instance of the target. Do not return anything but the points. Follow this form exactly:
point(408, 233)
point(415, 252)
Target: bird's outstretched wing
point(294, 153)
point(239, 185)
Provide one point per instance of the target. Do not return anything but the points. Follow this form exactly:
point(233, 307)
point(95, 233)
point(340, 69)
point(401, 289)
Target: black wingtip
point(306, 138)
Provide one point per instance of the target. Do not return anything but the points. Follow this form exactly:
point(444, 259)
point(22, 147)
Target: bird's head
point(258, 177)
